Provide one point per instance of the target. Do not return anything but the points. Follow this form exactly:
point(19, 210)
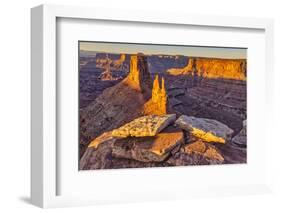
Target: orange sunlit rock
point(139, 76)
point(234, 69)
point(158, 103)
point(203, 149)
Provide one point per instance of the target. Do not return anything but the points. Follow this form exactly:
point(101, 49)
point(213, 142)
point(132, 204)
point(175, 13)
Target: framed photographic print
point(130, 106)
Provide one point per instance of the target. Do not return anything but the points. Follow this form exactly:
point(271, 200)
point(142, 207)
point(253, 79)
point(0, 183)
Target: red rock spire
point(158, 103)
point(139, 76)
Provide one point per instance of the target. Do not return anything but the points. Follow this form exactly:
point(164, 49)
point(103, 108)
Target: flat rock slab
point(149, 149)
point(101, 158)
point(149, 125)
point(106, 136)
point(205, 129)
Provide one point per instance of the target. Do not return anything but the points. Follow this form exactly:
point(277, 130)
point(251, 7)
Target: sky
point(214, 52)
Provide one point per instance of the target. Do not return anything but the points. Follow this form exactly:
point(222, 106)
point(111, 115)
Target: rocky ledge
point(149, 149)
point(160, 141)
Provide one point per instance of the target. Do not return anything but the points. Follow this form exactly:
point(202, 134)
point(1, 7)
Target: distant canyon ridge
point(101, 70)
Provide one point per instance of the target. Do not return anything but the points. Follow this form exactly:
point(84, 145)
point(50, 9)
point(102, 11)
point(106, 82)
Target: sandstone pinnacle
point(139, 76)
point(158, 103)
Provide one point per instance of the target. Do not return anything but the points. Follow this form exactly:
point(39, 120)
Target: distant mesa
point(234, 69)
point(106, 75)
point(110, 65)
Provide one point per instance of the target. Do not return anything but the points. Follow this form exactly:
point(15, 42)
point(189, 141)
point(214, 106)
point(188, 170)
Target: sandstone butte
point(139, 79)
point(158, 103)
point(234, 69)
point(139, 76)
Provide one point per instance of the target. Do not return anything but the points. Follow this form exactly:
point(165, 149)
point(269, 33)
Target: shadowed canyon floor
point(157, 111)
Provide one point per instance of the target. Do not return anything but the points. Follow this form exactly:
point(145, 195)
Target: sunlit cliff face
point(234, 69)
point(138, 77)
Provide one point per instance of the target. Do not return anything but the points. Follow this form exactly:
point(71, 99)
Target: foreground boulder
point(149, 125)
point(149, 149)
point(206, 129)
point(197, 153)
point(101, 158)
point(205, 150)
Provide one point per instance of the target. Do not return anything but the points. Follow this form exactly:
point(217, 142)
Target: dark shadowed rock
point(149, 149)
point(101, 158)
point(232, 153)
point(241, 138)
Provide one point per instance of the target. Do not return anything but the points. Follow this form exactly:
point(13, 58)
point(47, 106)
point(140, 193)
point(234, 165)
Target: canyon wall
point(234, 69)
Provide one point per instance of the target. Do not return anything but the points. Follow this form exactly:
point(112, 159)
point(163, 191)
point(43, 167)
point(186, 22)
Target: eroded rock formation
point(114, 133)
point(139, 76)
point(158, 104)
point(234, 69)
point(113, 107)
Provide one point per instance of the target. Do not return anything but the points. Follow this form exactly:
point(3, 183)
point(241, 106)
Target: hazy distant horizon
point(156, 49)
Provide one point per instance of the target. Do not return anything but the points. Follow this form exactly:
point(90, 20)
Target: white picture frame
point(44, 154)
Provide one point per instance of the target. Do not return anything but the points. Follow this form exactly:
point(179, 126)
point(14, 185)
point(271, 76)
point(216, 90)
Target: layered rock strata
point(149, 149)
point(113, 108)
point(139, 76)
point(206, 129)
point(234, 69)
